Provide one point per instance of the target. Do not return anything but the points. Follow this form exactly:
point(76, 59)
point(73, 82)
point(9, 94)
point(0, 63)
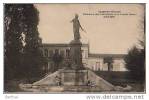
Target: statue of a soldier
point(76, 27)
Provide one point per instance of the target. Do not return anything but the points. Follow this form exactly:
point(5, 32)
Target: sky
point(114, 35)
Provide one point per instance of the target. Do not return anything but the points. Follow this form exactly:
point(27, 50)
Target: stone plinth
point(76, 55)
point(74, 77)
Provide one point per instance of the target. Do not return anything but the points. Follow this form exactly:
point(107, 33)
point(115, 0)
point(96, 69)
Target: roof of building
point(107, 55)
point(59, 45)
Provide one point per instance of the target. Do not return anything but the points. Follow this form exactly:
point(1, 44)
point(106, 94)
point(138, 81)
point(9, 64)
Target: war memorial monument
point(74, 77)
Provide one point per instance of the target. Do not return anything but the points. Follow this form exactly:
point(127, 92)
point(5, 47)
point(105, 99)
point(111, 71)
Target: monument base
point(76, 55)
point(71, 80)
point(74, 77)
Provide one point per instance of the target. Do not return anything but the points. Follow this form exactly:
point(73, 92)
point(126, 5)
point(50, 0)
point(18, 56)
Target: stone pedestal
point(75, 74)
point(76, 55)
point(74, 77)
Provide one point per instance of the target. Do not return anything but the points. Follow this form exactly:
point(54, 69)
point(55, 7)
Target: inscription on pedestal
point(69, 77)
point(72, 77)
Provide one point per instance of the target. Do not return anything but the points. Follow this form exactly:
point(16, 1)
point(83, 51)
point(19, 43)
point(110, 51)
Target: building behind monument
point(92, 61)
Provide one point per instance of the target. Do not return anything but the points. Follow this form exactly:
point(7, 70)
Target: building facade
point(92, 61)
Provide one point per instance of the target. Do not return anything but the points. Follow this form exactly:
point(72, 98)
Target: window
point(82, 51)
point(62, 53)
point(67, 53)
point(56, 51)
point(86, 54)
point(97, 66)
point(46, 52)
point(50, 53)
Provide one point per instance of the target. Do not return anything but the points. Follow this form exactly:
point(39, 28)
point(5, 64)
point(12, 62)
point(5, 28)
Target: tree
point(22, 54)
point(135, 59)
point(109, 61)
point(13, 46)
point(33, 59)
point(135, 63)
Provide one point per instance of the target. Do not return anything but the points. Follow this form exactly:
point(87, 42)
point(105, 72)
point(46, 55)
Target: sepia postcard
point(74, 48)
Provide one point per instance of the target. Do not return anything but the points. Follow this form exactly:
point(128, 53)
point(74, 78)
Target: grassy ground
point(122, 79)
point(13, 85)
